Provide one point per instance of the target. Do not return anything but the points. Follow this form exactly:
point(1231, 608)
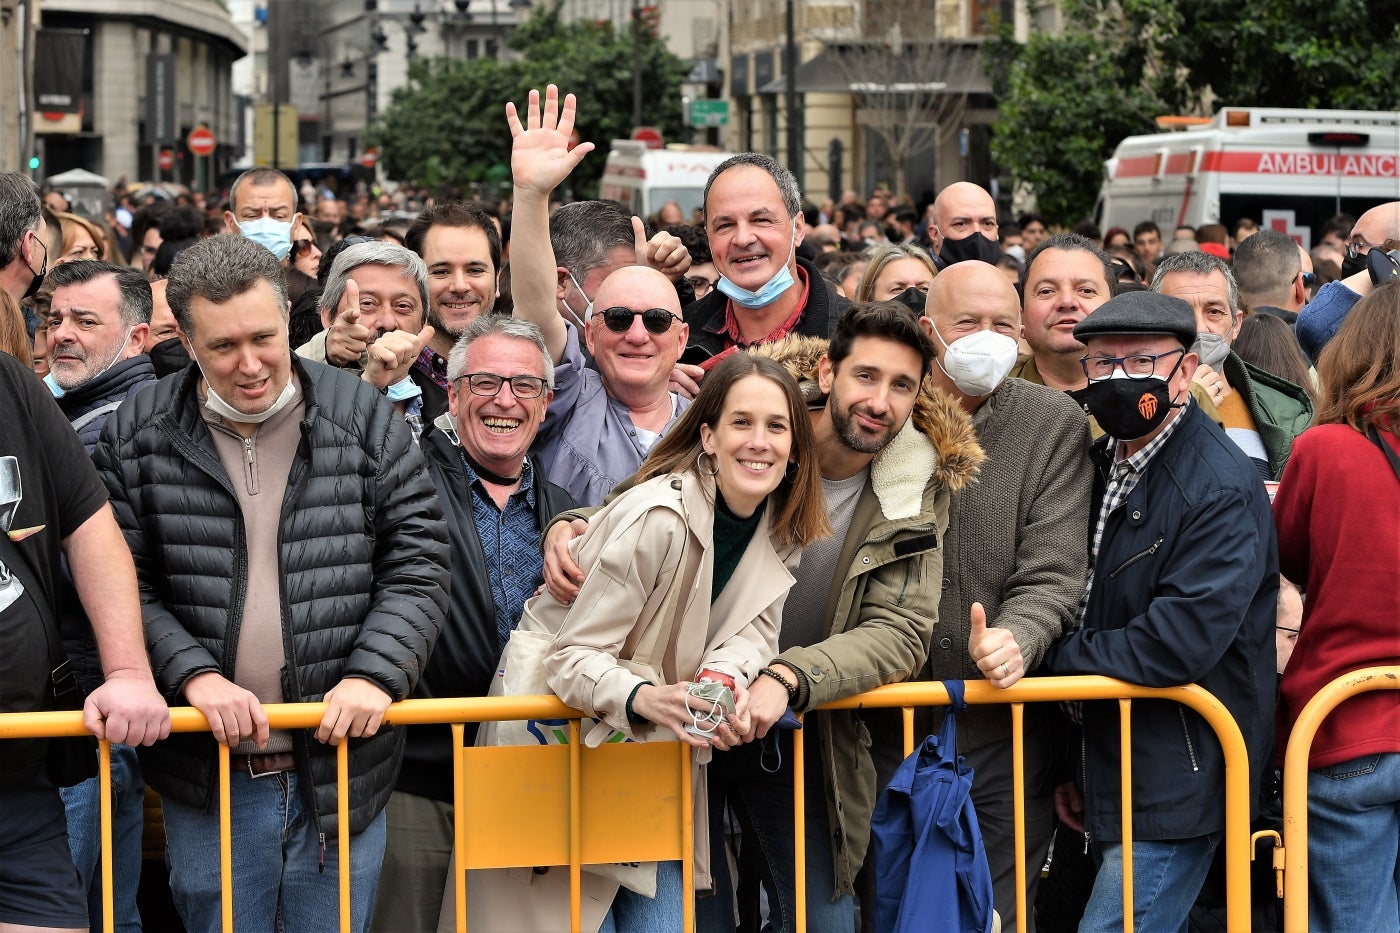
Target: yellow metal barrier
point(1294, 860)
point(480, 845)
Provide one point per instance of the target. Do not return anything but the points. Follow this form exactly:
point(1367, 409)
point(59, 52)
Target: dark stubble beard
point(853, 437)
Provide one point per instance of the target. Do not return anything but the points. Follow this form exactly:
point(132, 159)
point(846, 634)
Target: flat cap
point(1140, 313)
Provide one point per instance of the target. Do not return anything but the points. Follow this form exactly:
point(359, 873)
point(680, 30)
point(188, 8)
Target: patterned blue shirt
point(510, 539)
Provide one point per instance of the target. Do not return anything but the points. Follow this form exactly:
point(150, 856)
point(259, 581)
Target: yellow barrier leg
point(1125, 751)
point(688, 841)
point(1018, 798)
point(575, 827)
point(342, 795)
point(799, 828)
point(225, 840)
point(459, 826)
point(104, 790)
point(907, 714)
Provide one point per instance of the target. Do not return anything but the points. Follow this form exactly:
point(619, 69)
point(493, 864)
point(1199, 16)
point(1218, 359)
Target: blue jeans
point(633, 913)
point(83, 804)
point(278, 879)
point(1354, 844)
point(1167, 876)
point(762, 802)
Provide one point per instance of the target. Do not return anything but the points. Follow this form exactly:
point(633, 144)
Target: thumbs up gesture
point(994, 650)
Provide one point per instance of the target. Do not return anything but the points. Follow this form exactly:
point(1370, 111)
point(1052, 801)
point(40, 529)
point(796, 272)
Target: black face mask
point(168, 356)
point(1128, 409)
point(913, 299)
point(976, 246)
point(1353, 264)
point(38, 279)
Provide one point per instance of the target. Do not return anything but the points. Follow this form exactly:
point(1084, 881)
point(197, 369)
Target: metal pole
point(636, 63)
point(794, 141)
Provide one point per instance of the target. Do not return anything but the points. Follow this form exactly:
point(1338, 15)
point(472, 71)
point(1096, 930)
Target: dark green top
point(732, 536)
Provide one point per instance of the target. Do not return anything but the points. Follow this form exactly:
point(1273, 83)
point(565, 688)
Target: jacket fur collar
point(937, 445)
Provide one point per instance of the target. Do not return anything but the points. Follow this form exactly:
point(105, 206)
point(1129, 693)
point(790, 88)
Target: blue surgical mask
point(54, 388)
point(275, 235)
point(403, 390)
point(771, 290)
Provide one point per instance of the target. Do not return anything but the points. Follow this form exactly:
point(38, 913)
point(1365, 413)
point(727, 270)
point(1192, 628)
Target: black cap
point(1140, 313)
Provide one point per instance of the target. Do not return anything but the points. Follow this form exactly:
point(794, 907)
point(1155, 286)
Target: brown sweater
point(258, 468)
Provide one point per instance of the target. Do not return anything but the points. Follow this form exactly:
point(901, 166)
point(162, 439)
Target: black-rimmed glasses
point(1134, 366)
point(489, 385)
point(655, 320)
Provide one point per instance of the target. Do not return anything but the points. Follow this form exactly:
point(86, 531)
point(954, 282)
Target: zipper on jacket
point(1084, 771)
point(1152, 549)
point(251, 466)
point(321, 868)
point(1190, 748)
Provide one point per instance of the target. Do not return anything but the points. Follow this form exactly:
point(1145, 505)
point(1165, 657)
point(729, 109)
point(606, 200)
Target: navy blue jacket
point(1185, 591)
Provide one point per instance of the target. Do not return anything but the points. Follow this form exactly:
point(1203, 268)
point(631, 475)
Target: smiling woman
point(724, 503)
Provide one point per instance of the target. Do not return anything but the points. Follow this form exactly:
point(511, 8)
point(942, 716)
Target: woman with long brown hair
point(687, 572)
point(1338, 519)
point(14, 339)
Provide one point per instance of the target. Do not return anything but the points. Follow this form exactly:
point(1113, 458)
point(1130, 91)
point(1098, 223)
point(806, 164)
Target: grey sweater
point(1017, 539)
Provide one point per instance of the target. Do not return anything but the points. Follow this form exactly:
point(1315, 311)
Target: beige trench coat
point(655, 536)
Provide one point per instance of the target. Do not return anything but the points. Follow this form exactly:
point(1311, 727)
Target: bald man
point(1015, 557)
point(964, 225)
point(1378, 228)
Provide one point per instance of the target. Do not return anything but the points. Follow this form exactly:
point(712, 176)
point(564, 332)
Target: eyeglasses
point(1309, 279)
point(655, 320)
point(489, 385)
point(700, 284)
point(1124, 271)
point(1136, 366)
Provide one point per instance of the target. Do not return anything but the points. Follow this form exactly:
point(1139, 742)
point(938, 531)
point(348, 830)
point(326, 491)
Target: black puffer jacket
point(363, 562)
point(464, 660)
point(101, 394)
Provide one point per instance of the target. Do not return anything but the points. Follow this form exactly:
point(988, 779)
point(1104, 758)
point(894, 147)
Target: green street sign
point(709, 113)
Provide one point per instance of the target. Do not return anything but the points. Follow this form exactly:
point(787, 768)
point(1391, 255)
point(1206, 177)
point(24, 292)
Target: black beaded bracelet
point(633, 716)
point(791, 690)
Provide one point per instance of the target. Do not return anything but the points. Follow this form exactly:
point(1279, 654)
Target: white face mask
point(215, 403)
point(979, 362)
point(583, 320)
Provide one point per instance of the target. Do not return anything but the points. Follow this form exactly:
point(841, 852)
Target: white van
point(1290, 170)
point(643, 179)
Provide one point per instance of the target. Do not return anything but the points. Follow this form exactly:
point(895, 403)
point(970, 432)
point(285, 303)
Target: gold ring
point(1006, 668)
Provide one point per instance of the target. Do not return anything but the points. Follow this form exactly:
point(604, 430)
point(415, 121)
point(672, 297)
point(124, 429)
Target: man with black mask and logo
point(964, 225)
point(1183, 587)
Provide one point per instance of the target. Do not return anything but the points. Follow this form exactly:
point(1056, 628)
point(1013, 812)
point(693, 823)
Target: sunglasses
point(655, 320)
point(1309, 279)
point(301, 247)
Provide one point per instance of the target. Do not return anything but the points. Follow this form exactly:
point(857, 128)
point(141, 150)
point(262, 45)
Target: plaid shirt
point(1122, 480)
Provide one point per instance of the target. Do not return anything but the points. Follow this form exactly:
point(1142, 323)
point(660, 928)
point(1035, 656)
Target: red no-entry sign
point(201, 141)
point(166, 161)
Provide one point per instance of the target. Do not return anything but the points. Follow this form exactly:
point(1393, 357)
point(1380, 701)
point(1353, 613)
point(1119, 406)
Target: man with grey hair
point(373, 307)
point(1261, 412)
point(24, 251)
point(290, 549)
point(95, 330)
point(263, 208)
point(497, 503)
point(753, 218)
point(1274, 274)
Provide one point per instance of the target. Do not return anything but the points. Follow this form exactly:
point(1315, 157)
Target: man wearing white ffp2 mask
point(263, 208)
point(973, 317)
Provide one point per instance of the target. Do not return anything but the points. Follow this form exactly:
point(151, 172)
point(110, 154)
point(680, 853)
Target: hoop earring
point(700, 466)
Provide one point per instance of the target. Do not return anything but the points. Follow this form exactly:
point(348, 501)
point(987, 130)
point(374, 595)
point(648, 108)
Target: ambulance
point(1289, 170)
point(643, 179)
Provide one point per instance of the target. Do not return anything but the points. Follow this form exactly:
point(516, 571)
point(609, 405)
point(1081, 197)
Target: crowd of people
point(294, 446)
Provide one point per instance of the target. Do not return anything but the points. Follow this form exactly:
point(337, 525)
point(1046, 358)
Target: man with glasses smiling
point(601, 423)
point(496, 502)
point(1183, 585)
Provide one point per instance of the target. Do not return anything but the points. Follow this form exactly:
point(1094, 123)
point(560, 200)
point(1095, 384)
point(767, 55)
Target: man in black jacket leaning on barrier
point(289, 547)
